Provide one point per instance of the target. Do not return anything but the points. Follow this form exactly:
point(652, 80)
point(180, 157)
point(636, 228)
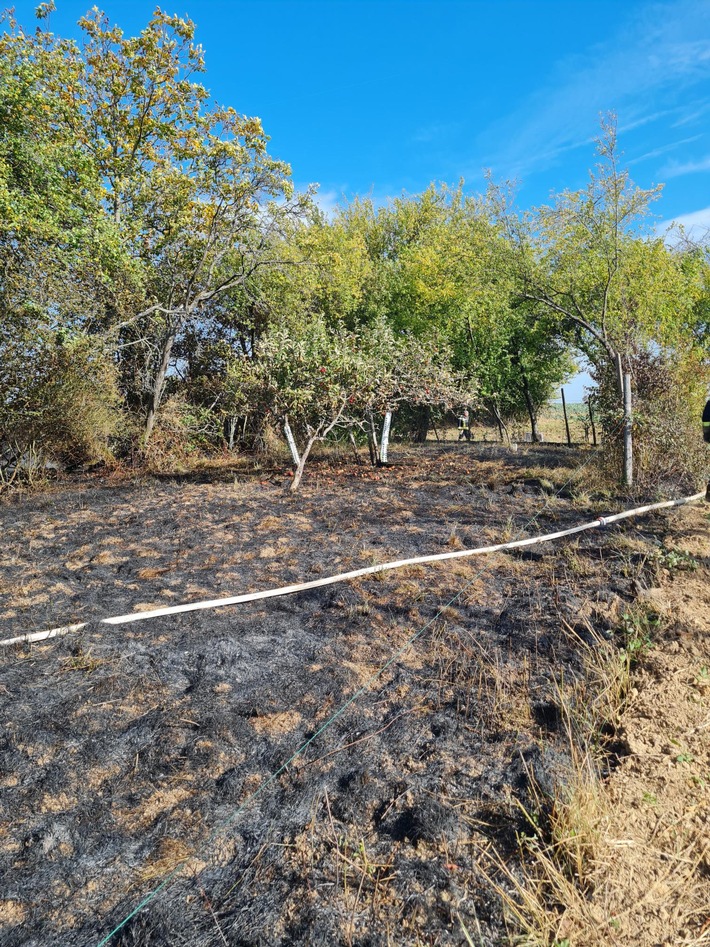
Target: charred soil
point(144, 753)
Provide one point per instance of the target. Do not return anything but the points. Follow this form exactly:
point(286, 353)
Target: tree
point(315, 377)
point(60, 399)
point(587, 262)
point(60, 262)
point(434, 274)
point(574, 258)
point(446, 275)
point(189, 190)
point(314, 274)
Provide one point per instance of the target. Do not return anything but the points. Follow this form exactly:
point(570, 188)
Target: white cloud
point(696, 225)
point(644, 73)
point(664, 149)
point(329, 201)
point(675, 169)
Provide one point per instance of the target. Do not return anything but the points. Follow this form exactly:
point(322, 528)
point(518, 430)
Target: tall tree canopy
point(153, 247)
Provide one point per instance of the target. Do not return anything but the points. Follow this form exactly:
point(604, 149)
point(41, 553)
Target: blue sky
point(383, 96)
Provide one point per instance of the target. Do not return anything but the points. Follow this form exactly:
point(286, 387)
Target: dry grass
point(430, 767)
point(172, 854)
point(560, 848)
point(593, 873)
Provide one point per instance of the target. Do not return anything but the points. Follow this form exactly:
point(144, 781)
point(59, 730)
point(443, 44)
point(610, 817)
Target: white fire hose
point(346, 576)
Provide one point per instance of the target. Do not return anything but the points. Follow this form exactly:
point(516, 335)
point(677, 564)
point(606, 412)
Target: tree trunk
point(423, 419)
point(320, 433)
point(351, 437)
point(385, 437)
point(372, 442)
point(500, 422)
point(231, 425)
point(291, 441)
point(158, 387)
point(296, 482)
point(300, 467)
point(628, 446)
point(531, 408)
point(372, 450)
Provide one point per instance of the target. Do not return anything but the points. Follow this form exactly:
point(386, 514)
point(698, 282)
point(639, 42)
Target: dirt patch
point(654, 884)
point(278, 723)
point(155, 735)
point(11, 913)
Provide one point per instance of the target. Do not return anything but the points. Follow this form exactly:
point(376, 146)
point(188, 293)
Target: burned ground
point(128, 752)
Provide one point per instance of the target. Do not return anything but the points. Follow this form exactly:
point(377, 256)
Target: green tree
point(61, 261)
point(313, 274)
point(191, 187)
point(186, 191)
point(618, 293)
point(315, 377)
point(424, 273)
point(443, 271)
point(587, 260)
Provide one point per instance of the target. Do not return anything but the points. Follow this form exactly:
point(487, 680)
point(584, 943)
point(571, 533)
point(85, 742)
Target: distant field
point(551, 425)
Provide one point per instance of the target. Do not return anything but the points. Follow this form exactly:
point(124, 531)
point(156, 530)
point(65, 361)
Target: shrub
point(59, 400)
point(668, 394)
point(183, 432)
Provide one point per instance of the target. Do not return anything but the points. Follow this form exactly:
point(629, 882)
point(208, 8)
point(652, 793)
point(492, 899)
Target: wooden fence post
point(620, 374)
point(564, 409)
point(591, 419)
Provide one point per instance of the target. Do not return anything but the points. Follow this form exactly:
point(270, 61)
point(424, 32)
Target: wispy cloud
point(688, 57)
point(644, 73)
point(436, 131)
point(693, 112)
point(664, 149)
point(644, 120)
point(696, 224)
point(329, 201)
point(332, 199)
point(675, 169)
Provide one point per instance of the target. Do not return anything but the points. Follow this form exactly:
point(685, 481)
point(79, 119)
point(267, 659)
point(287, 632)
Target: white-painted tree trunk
point(385, 437)
point(231, 432)
point(301, 465)
point(628, 445)
point(372, 441)
point(291, 443)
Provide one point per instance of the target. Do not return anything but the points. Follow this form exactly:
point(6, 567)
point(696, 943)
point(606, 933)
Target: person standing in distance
point(464, 426)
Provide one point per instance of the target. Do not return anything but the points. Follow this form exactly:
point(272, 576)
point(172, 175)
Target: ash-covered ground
point(139, 754)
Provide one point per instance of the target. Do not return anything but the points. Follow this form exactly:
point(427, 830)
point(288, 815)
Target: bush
point(182, 433)
point(58, 400)
point(668, 395)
